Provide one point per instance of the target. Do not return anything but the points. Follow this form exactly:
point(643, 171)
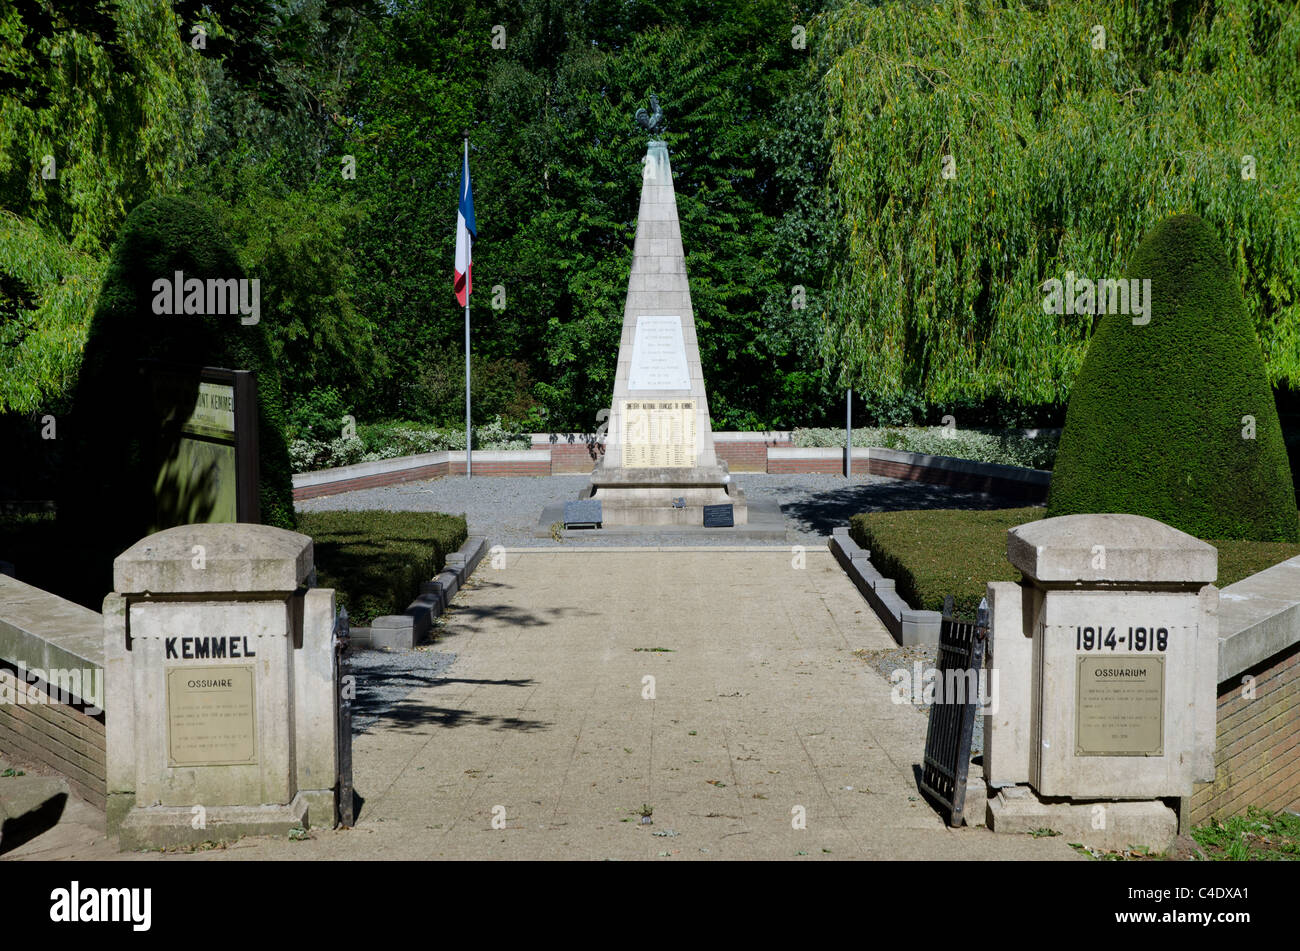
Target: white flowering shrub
point(1009, 449)
point(375, 441)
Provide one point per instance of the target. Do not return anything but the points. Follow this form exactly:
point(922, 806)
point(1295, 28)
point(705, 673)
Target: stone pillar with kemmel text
point(221, 670)
point(1106, 662)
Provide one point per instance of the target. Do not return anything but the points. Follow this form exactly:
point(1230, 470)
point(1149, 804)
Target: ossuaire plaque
point(1120, 705)
point(211, 718)
point(658, 355)
point(658, 433)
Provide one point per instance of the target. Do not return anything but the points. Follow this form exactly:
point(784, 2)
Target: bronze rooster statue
point(652, 120)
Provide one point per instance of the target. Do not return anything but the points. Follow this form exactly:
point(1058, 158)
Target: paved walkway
point(760, 711)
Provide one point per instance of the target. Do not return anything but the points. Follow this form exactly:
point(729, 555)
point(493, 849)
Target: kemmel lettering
point(204, 648)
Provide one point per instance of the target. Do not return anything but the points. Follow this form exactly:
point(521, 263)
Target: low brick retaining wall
point(1257, 756)
point(578, 453)
point(749, 452)
point(59, 735)
point(570, 453)
point(1029, 485)
point(52, 685)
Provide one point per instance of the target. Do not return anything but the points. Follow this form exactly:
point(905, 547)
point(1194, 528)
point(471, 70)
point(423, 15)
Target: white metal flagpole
point(468, 434)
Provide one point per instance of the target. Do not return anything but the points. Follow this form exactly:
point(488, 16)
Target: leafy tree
point(1066, 148)
point(101, 106)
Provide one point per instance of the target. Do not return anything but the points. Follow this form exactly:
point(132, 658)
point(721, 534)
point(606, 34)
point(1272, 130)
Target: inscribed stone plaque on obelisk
point(659, 465)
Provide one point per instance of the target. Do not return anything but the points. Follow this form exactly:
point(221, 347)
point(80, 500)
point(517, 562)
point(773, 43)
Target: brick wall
point(823, 466)
point(743, 452)
point(523, 467)
point(58, 735)
point(966, 481)
point(571, 457)
point(366, 482)
point(1257, 756)
point(746, 455)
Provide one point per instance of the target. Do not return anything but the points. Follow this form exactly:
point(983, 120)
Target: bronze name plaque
point(658, 433)
point(1120, 705)
point(211, 716)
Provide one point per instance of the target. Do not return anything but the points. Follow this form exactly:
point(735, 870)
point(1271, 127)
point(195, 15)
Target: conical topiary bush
point(1174, 418)
point(108, 498)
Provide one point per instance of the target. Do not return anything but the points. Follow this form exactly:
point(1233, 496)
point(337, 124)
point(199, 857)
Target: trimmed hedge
point(377, 560)
point(937, 552)
point(1156, 419)
point(115, 439)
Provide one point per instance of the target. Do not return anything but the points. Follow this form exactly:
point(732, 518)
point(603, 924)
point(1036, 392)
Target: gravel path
point(386, 677)
point(506, 508)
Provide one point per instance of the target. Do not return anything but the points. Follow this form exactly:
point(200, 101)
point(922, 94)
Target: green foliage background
point(815, 166)
point(1065, 156)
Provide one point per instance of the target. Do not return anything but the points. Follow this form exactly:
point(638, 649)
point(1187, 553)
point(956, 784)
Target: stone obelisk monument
point(659, 466)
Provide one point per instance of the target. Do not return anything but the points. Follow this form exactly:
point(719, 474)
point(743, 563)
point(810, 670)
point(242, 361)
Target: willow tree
point(101, 106)
point(979, 150)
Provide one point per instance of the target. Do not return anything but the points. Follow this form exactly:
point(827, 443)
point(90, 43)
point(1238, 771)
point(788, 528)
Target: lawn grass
point(1256, 836)
point(376, 560)
point(937, 552)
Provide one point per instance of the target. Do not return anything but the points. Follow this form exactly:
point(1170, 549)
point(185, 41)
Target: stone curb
point(406, 630)
point(908, 626)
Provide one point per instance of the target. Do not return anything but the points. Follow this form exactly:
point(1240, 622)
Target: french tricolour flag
point(465, 233)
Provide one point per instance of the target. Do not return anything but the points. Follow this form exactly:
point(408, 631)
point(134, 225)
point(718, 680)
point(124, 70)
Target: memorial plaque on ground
point(582, 512)
point(659, 355)
point(658, 433)
point(719, 516)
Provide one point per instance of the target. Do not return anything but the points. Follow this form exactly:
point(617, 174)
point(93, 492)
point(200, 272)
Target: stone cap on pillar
point(235, 557)
point(1110, 548)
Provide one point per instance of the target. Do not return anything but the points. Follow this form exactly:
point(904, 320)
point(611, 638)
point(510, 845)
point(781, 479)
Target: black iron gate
point(952, 715)
point(345, 690)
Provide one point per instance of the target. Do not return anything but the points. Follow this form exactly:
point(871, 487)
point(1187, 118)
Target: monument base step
point(664, 497)
point(764, 522)
point(1111, 825)
point(165, 827)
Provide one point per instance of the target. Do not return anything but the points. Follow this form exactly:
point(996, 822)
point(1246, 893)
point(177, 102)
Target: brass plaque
point(658, 433)
point(211, 718)
point(1120, 705)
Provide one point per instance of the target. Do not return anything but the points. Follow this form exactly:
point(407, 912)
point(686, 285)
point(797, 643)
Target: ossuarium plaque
point(211, 719)
point(658, 355)
point(1119, 705)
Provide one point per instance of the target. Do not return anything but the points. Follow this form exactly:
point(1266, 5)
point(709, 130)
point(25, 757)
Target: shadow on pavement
point(826, 510)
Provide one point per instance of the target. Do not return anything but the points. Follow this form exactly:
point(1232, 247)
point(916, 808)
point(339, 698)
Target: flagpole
point(468, 435)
